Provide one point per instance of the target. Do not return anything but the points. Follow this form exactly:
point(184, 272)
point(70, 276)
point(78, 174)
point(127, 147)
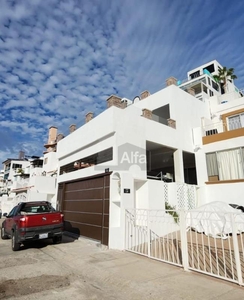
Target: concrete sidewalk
point(95, 272)
point(123, 275)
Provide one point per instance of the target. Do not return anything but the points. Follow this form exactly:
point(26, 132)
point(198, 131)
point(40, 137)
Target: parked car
point(29, 221)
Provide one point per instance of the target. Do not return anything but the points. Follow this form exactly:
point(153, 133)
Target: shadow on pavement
point(38, 244)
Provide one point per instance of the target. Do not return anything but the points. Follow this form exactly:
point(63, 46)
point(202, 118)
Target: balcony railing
point(219, 127)
point(213, 128)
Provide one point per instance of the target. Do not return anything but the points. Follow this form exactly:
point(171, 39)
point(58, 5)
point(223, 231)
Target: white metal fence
point(203, 243)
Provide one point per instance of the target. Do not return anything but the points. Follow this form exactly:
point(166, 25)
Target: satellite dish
point(136, 99)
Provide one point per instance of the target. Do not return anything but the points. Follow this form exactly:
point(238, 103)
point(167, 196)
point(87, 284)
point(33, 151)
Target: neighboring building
point(2, 182)
point(117, 159)
point(12, 165)
point(32, 178)
point(201, 84)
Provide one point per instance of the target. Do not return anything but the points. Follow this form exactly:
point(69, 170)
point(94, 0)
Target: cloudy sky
point(61, 59)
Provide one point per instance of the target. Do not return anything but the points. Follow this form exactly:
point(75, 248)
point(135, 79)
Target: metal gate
point(171, 236)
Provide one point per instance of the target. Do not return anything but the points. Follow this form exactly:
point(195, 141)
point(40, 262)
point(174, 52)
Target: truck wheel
point(15, 244)
point(3, 234)
point(57, 239)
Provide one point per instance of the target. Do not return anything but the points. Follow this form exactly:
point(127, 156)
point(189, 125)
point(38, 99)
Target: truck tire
point(57, 239)
point(15, 245)
point(3, 234)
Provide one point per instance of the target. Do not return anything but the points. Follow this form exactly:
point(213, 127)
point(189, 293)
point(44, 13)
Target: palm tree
point(224, 75)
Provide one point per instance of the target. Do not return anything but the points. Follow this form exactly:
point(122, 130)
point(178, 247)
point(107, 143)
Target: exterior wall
point(92, 133)
point(227, 135)
point(202, 67)
point(43, 184)
point(50, 163)
point(119, 201)
point(156, 194)
point(36, 196)
point(185, 109)
point(117, 127)
point(224, 144)
point(36, 171)
point(6, 204)
point(24, 164)
point(231, 193)
point(222, 108)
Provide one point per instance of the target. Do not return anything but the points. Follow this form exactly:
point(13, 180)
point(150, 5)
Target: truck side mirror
point(5, 215)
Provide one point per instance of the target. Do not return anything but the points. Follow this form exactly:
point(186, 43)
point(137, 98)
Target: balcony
point(20, 184)
point(222, 130)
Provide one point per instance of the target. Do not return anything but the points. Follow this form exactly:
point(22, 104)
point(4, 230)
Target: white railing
point(195, 241)
point(20, 184)
point(213, 128)
point(218, 127)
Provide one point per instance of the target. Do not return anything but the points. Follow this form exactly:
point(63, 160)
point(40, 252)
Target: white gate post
point(236, 250)
point(148, 235)
point(183, 237)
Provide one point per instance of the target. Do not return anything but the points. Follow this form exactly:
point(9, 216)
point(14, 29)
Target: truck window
point(13, 212)
point(36, 208)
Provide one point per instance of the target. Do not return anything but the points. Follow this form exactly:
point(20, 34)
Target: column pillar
point(179, 166)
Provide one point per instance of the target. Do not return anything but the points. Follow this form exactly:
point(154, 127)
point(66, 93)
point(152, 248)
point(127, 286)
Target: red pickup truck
point(32, 221)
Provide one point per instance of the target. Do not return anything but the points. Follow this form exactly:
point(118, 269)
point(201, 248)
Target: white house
point(32, 178)
point(116, 160)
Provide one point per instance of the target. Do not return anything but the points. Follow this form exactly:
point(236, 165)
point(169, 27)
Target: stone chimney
point(146, 113)
point(60, 137)
point(144, 95)
point(72, 128)
point(170, 81)
point(52, 136)
point(171, 123)
point(115, 101)
point(89, 117)
point(191, 91)
point(21, 154)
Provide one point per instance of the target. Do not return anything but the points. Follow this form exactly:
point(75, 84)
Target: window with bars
point(236, 121)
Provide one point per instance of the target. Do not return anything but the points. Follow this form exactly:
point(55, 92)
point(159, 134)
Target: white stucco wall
point(43, 184)
point(116, 127)
point(226, 192)
point(185, 109)
point(50, 162)
point(223, 145)
point(232, 104)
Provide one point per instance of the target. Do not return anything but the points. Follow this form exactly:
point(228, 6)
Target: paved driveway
point(80, 269)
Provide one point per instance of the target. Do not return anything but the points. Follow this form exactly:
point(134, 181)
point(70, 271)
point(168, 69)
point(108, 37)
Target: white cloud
point(58, 61)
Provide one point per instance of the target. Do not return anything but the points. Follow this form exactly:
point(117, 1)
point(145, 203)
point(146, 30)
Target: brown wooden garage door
point(85, 205)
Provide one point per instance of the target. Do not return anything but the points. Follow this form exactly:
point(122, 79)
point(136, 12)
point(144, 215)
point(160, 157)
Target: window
point(195, 74)
point(236, 121)
point(211, 131)
point(13, 211)
point(36, 208)
point(16, 166)
point(227, 165)
point(211, 93)
point(205, 89)
point(210, 68)
point(215, 86)
point(94, 159)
